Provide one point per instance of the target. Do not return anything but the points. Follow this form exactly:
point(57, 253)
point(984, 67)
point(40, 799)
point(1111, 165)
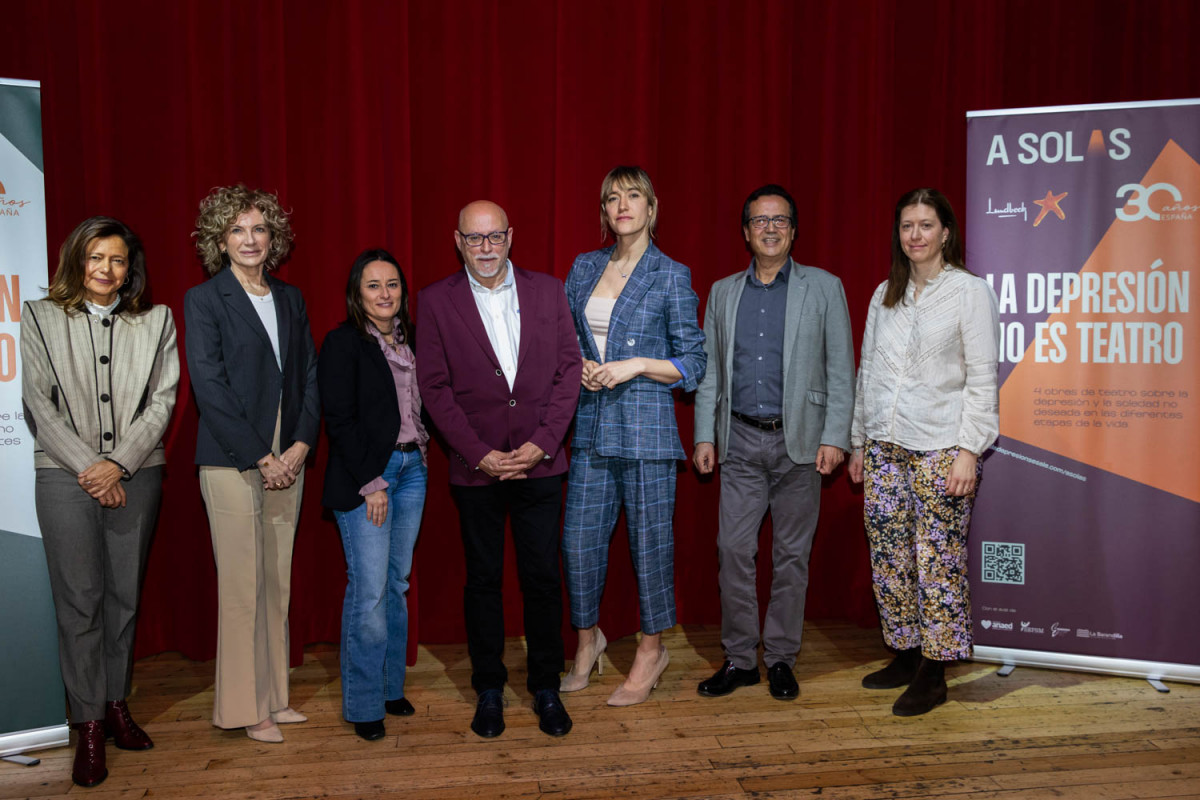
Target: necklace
point(257, 290)
point(624, 275)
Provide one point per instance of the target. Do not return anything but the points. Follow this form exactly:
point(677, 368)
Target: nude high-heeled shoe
point(574, 680)
point(627, 695)
point(265, 731)
point(288, 716)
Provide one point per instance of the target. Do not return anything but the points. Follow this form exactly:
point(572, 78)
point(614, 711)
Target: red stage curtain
point(376, 121)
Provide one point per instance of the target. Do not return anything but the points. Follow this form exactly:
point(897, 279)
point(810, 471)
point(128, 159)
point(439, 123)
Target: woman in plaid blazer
point(100, 370)
point(635, 316)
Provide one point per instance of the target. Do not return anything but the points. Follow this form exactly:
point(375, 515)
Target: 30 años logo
point(10, 207)
point(1139, 198)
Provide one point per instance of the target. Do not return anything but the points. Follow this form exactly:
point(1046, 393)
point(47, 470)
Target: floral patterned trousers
point(918, 539)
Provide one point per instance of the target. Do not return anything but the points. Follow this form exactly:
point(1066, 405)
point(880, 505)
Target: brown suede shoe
point(926, 692)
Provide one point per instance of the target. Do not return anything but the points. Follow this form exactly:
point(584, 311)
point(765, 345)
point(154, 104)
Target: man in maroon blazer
point(499, 369)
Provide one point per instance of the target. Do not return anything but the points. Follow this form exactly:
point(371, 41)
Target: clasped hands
point(280, 472)
point(102, 481)
point(610, 374)
point(513, 465)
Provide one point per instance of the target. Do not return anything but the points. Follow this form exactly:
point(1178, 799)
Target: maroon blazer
point(465, 392)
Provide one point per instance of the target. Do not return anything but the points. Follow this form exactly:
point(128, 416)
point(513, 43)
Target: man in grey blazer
point(776, 402)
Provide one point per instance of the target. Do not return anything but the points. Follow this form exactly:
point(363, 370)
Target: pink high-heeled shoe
point(627, 695)
point(573, 681)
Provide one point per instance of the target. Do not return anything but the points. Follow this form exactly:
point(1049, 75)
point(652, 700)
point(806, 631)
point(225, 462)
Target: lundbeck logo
point(1027, 627)
point(1138, 198)
point(993, 625)
point(1051, 147)
point(1057, 630)
point(1009, 211)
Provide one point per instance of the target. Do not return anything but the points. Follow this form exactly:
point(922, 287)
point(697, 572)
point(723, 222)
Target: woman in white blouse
point(925, 411)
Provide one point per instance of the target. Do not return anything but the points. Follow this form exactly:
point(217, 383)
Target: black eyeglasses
point(778, 222)
point(476, 239)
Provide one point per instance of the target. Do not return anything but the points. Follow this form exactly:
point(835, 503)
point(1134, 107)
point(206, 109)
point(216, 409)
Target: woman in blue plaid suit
point(635, 315)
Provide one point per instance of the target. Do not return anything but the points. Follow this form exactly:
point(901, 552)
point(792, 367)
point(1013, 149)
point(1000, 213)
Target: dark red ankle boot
point(126, 734)
point(89, 768)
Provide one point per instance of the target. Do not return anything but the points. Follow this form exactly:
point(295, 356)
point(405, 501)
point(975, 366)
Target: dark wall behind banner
point(376, 122)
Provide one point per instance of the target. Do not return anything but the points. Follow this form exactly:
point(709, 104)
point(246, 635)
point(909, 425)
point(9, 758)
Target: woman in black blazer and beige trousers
point(253, 367)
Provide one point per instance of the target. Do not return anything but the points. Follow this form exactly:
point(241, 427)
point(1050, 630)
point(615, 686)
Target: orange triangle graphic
point(1138, 416)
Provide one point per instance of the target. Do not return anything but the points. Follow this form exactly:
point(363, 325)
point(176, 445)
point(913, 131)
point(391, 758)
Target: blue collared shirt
point(758, 345)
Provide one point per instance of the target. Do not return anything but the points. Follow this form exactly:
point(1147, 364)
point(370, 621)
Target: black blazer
point(237, 383)
point(362, 414)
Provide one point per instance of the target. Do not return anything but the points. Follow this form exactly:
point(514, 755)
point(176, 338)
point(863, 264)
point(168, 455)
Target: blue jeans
point(375, 612)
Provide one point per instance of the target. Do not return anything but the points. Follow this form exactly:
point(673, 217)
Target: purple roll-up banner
point(1085, 541)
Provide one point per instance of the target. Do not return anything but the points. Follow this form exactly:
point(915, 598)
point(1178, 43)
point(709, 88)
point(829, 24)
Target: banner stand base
point(1153, 671)
point(34, 739)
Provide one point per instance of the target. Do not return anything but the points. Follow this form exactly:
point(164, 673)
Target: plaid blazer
point(96, 388)
point(655, 317)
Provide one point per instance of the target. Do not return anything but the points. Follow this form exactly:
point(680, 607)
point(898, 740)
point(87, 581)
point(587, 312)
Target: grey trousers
point(96, 557)
point(756, 475)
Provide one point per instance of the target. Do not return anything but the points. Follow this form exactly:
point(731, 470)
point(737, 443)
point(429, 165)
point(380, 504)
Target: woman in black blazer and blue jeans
point(253, 367)
point(374, 483)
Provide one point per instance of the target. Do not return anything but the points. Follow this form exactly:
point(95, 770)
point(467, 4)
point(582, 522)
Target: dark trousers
point(534, 507)
point(96, 557)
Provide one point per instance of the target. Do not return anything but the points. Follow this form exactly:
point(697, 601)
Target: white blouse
point(598, 312)
point(927, 378)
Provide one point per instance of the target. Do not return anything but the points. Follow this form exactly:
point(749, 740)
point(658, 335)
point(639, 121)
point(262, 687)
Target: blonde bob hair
point(627, 178)
point(220, 210)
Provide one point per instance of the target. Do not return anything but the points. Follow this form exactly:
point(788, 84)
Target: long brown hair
point(67, 289)
point(952, 248)
point(356, 315)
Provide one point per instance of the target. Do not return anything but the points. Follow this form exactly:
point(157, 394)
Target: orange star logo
point(1049, 203)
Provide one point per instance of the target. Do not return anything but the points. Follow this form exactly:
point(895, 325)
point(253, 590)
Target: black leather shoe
point(399, 707)
point(489, 714)
point(782, 682)
point(371, 731)
point(898, 673)
point(552, 716)
point(726, 679)
point(926, 692)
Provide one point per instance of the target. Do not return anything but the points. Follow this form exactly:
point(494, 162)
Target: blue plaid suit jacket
point(655, 317)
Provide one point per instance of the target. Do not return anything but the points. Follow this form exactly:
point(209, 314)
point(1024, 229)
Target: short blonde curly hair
point(221, 209)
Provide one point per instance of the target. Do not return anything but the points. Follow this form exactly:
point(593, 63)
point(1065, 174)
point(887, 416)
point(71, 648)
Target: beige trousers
point(252, 533)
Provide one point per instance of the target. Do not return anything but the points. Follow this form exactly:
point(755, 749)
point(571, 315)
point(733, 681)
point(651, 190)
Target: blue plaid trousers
point(597, 487)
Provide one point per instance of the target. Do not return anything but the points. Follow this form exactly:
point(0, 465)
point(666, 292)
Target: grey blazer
point(97, 388)
point(238, 385)
point(818, 364)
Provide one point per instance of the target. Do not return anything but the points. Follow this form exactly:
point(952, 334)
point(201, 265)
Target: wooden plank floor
point(1034, 734)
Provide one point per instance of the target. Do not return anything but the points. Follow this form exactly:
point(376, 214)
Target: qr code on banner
point(1004, 562)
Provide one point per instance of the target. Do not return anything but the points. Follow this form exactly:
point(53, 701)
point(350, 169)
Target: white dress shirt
point(500, 310)
point(927, 379)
